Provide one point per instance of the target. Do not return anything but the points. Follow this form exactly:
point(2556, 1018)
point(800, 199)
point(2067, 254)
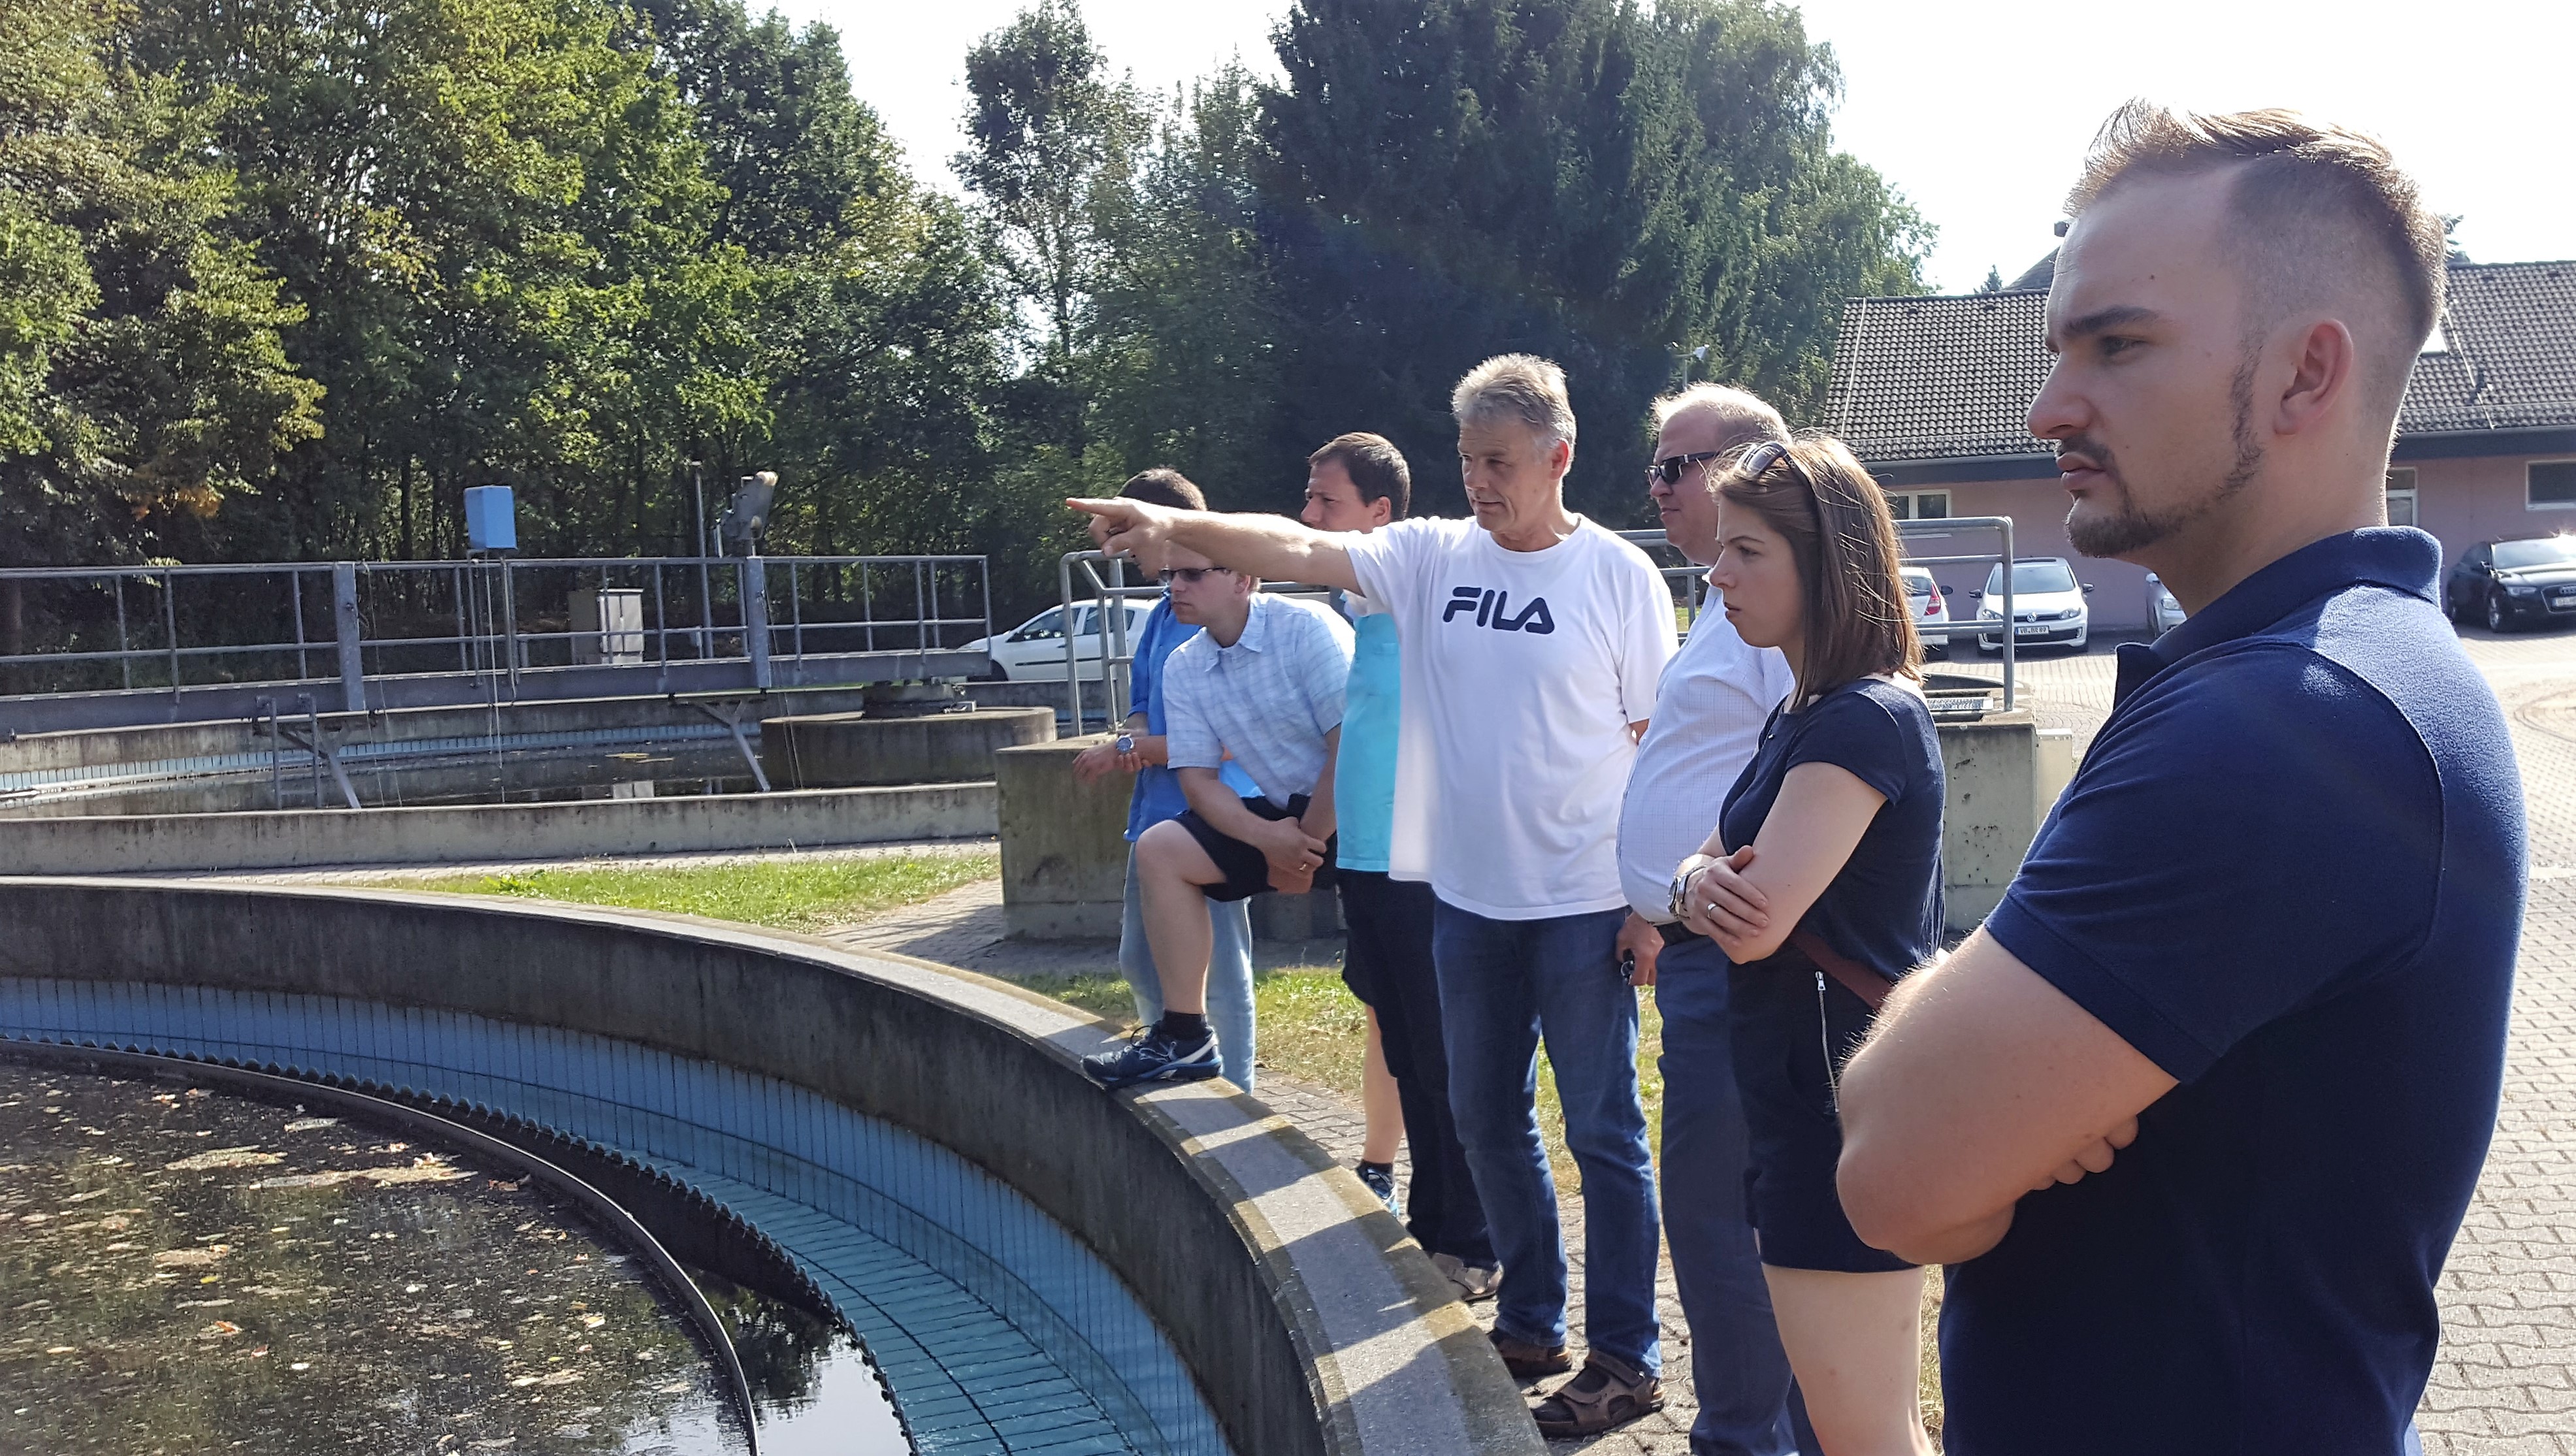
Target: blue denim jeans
point(1229, 983)
point(1505, 984)
point(1737, 1365)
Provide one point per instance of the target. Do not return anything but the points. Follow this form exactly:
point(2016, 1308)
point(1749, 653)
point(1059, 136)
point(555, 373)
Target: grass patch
point(783, 895)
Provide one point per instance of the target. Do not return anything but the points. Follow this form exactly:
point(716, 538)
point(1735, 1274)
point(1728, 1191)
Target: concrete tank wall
point(309, 838)
point(1312, 1325)
point(849, 750)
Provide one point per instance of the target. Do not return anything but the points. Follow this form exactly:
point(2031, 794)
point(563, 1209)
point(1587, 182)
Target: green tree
point(1050, 138)
point(1582, 178)
point(142, 378)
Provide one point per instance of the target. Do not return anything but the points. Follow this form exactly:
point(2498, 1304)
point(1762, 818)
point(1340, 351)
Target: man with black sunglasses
point(1709, 709)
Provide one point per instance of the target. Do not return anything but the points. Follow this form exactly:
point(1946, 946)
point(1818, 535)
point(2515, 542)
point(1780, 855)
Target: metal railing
point(1080, 576)
point(98, 646)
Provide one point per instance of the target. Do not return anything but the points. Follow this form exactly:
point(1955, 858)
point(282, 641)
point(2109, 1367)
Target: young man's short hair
point(1521, 387)
point(1741, 414)
point(1376, 468)
point(2315, 210)
point(1164, 487)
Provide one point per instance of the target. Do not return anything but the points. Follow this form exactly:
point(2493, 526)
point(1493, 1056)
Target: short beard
point(2129, 530)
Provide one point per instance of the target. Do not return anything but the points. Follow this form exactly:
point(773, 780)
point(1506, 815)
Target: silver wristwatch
point(1125, 745)
point(1679, 902)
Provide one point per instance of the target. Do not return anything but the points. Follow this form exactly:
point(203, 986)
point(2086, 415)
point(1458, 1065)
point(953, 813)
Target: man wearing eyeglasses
point(1709, 708)
point(1261, 684)
point(1141, 748)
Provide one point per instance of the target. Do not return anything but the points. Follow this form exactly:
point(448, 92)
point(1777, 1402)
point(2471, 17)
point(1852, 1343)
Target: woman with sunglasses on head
point(1822, 884)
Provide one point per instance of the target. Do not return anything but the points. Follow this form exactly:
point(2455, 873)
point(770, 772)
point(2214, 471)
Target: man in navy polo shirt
point(2197, 1113)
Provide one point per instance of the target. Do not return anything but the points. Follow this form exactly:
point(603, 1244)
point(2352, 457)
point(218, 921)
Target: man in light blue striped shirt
point(1263, 685)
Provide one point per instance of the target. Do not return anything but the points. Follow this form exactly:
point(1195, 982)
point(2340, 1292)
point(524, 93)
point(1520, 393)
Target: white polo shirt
point(1709, 711)
point(1521, 673)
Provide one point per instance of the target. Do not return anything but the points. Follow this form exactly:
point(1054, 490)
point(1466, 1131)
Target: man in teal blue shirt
point(1359, 482)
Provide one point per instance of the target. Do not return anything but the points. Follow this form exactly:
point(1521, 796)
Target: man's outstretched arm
point(1980, 1083)
point(1274, 548)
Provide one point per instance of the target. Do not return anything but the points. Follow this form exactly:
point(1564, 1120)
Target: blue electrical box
point(491, 519)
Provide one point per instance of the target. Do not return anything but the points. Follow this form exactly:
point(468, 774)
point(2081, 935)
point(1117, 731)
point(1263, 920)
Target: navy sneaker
point(1381, 1181)
point(1150, 1056)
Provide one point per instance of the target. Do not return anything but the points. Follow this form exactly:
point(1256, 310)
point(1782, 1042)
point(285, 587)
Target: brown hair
point(1376, 468)
point(1815, 494)
point(1164, 487)
point(2315, 210)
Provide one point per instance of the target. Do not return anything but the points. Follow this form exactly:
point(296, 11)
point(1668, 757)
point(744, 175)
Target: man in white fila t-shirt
point(1531, 641)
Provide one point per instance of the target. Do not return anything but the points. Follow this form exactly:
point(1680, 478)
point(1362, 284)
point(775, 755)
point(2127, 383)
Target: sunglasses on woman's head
point(1191, 574)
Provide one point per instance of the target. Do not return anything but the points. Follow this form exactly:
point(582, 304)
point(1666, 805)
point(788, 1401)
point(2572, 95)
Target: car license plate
point(2032, 629)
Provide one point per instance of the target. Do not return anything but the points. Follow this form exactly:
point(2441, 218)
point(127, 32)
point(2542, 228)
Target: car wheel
point(2497, 619)
point(2452, 609)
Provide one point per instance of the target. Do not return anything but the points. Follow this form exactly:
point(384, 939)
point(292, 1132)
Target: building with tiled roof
point(1933, 393)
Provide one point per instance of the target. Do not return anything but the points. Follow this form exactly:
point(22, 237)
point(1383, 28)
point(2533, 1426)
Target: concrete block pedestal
point(1064, 846)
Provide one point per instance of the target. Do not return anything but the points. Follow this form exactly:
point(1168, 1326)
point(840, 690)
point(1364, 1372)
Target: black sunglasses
point(1190, 574)
point(1669, 469)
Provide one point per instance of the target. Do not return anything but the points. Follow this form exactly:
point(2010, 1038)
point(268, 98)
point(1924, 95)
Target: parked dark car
point(2508, 583)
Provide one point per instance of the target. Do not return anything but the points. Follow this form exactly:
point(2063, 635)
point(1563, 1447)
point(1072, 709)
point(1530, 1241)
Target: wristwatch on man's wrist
point(1680, 896)
point(1125, 745)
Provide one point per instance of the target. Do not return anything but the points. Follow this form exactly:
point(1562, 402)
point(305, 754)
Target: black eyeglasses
point(1190, 574)
point(1669, 469)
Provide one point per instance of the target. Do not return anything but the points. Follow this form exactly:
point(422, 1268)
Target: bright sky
point(1979, 113)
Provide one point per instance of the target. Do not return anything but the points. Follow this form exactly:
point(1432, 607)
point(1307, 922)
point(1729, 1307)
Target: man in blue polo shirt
point(2197, 1113)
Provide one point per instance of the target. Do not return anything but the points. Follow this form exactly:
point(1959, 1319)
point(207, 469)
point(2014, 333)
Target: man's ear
point(2322, 373)
point(1561, 458)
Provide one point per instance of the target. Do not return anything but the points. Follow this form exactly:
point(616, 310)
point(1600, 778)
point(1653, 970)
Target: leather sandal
point(1528, 1361)
point(1610, 1392)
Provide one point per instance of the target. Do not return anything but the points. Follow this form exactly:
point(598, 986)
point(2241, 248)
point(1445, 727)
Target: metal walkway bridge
point(117, 647)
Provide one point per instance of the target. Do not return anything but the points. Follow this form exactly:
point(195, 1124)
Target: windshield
point(2549, 551)
point(2032, 576)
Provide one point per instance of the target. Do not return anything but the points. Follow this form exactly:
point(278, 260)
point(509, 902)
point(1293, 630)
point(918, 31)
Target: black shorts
point(1246, 869)
point(1387, 924)
point(1780, 1033)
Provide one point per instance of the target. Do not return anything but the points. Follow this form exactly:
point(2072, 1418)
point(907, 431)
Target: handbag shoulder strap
point(1860, 980)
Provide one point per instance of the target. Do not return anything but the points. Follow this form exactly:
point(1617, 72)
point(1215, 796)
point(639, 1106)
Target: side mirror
point(1952, 591)
point(1976, 596)
point(2088, 588)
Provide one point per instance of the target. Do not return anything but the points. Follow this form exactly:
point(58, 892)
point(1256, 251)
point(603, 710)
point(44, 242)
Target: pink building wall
point(2466, 501)
point(2461, 501)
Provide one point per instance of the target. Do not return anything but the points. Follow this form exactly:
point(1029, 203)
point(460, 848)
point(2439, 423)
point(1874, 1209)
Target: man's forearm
point(1218, 805)
point(1271, 547)
point(1319, 817)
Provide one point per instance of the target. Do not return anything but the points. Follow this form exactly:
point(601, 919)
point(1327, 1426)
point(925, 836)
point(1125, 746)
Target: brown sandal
point(1529, 1361)
point(1608, 1393)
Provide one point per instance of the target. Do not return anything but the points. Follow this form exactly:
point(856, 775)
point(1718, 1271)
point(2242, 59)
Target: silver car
point(2163, 612)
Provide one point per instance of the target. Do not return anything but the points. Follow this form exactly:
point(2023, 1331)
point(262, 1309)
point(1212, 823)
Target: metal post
point(295, 594)
point(351, 632)
point(867, 607)
point(796, 608)
point(124, 663)
point(752, 585)
point(510, 624)
point(463, 662)
point(2012, 629)
point(1064, 619)
point(170, 624)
